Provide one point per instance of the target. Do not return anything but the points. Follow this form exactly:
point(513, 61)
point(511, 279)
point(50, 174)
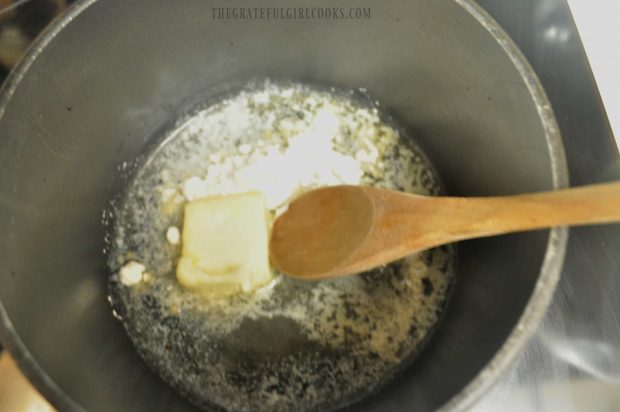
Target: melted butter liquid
point(293, 345)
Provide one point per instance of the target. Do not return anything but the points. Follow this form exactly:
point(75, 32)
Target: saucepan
point(97, 88)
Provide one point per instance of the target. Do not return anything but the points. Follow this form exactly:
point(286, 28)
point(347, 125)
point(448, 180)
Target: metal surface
point(591, 262)
point(573, 362)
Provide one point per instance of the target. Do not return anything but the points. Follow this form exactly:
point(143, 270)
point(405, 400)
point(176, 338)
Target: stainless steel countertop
point(573, 362)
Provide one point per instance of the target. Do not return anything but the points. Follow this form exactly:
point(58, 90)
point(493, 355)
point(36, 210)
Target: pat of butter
point(226, 244)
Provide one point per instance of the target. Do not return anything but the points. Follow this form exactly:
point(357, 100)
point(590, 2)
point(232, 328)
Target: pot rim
point(551, 268)
point(533, 313)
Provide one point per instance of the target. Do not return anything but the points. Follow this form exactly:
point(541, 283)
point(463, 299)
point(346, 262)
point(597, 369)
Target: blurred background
point(20, 22)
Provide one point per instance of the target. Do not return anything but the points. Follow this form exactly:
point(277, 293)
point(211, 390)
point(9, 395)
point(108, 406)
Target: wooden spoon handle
point(348, 229)
point(475, 217)
point(582, 205)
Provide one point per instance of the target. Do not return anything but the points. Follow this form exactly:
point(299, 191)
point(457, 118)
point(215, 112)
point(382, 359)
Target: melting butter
point(225, 244)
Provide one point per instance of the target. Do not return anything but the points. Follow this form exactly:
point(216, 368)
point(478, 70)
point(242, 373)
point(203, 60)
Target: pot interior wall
point(113, 76)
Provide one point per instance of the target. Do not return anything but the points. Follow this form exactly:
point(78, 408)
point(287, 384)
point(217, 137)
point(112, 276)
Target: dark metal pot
point(98, 85)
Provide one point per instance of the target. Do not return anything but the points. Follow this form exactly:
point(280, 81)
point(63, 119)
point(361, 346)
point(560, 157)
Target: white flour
point(309, 161)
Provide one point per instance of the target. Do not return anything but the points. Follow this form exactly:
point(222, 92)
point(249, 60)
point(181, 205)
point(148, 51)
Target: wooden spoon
point(341, 230)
